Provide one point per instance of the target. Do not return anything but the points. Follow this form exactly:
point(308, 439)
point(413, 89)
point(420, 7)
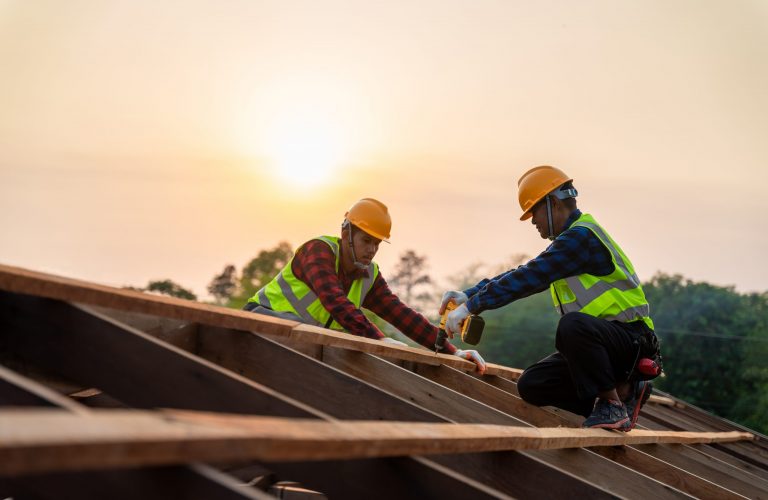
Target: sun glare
point(305, 151)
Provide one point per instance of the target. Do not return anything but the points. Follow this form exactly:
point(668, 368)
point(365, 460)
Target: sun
point(305, 150)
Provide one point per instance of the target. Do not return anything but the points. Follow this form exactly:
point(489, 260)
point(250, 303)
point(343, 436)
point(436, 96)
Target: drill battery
point(471, 328)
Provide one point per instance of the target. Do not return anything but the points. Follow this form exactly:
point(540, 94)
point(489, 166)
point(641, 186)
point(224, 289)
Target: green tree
point(714, 344)
point(168, 287)
point(411, 281)
point(223, 286)
point(259, 271)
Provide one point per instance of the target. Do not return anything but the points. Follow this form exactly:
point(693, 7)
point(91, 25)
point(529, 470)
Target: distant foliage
point(714, 343)
point(411, 282)
point(168, 287)
point(224, 285)
point(256, 273)
point(715, 346)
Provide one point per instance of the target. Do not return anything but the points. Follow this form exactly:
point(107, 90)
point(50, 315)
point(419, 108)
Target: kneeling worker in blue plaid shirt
point(605, 315)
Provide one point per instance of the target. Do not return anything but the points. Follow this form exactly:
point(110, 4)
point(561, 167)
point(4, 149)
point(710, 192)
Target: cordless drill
point(471, 328)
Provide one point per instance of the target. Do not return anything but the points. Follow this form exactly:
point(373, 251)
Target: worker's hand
point(458, 297)
point(390, 340)
point(455, 319)
point(474, 357)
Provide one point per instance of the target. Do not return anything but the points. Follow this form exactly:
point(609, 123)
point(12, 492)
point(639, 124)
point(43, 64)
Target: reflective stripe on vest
point(618, 296)
point(290, 294)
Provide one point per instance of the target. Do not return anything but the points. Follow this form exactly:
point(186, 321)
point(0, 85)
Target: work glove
point(473, 356)
point(458, 297)
point(455, 319)
point(390, 340)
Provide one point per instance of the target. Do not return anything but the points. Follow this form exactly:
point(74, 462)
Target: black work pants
point(593, 355)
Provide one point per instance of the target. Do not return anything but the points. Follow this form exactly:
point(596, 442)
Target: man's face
point(366, 246)
point(539, 218)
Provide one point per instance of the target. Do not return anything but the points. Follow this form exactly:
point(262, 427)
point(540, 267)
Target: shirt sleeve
point(570, 254)
point(385, 304)
point(315, 265)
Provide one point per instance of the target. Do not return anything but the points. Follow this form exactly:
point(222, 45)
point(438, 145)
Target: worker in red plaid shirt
point(331, 278)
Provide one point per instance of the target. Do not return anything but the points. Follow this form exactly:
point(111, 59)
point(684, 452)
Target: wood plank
point(197, 478)
point(18, 280)
point(520, 475)
point(714, 470)
point(416, 478)
point(672, 418)
point(127, 364)
point(461, 408)
point(297, 376)
point(675, 476)
point(21, 316)
point(471, 468)
point(493, 396)
point(411, 387)
point(24, 281)
point(52, 440)
point(161, 483)
point(16, 390)
point(387, 378)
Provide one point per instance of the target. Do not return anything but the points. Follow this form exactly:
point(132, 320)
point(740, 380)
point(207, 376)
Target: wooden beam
point(80, 343)
point(221, 350)
point(423, 392)
point(127, 364)
point(51, 440)
point(672, 419)
point(675, 476)
point(493, 396)
point(412, 478)
point(460, 407)
point(161, 483)
point(196, 478)
point(16, 390)
point(727, 476)
point(241, 353)
point(23, 281)
point(302, 378)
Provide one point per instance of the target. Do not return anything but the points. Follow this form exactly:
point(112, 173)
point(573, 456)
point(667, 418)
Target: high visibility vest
point(287, 293)
point(617, 296)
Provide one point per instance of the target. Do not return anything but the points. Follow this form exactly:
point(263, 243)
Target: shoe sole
point(614, 425)
point(645, 393)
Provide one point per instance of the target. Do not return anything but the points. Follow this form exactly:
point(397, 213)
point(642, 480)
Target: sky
point(148, 140)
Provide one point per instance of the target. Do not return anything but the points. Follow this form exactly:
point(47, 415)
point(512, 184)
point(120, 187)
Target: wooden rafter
point(50, 440)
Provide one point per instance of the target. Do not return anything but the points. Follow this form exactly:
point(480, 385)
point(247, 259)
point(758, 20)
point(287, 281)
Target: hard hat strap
point(549, 219)
point(357, 264)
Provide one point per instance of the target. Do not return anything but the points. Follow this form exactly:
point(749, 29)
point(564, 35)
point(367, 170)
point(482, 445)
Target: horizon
point(142, 141)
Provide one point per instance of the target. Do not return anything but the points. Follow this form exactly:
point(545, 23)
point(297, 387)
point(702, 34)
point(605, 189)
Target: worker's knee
point(527, 387)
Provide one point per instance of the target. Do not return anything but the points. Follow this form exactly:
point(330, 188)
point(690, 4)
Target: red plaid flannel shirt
point(315, 265)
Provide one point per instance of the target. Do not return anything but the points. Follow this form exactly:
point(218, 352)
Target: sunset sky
point(146, 140)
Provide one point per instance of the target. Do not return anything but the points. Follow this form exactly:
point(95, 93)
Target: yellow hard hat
point(371, 216)
point(535, 184)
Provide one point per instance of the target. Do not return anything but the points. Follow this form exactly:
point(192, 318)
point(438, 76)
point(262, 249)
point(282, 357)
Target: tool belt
point(648, 362)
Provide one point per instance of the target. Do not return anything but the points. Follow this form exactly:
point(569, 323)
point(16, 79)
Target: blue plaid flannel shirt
point(575, 251)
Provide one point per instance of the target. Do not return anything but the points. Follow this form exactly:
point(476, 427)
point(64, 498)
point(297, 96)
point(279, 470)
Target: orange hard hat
point(535, 184)
point(371, 216)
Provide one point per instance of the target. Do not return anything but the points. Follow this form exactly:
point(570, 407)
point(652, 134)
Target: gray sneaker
point(607, 414)
point(640, 394)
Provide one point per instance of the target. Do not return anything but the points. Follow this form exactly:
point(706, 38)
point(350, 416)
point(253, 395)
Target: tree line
point(714, 339)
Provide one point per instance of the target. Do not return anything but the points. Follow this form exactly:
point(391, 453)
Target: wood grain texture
point(54, 440)
point(24, 281)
